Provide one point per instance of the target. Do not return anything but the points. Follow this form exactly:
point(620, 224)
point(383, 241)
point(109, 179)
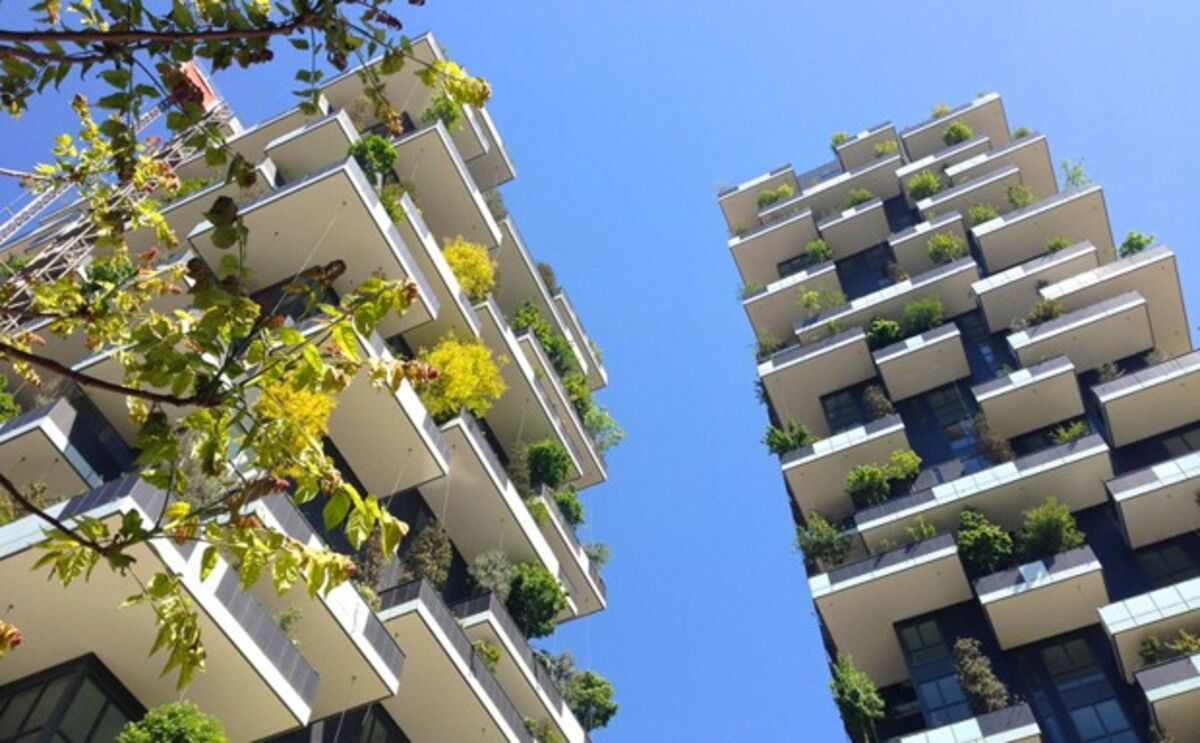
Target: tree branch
point(28, 505)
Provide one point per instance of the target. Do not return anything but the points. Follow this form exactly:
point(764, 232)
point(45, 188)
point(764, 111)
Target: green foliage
point(886, 147)
point(575, 384)
point(549, 278)
point(1048, 530)
point(535, 599)
point(877, 403)
point(896, 273)
point(957, 133)
point(985, 692)
point(569, 504)
point(590, 697)
point(983, 546)
point(821, 542)
point(883, 332)
point(838, 139)
point(769, 196)
point(603, 428)
point(939, 110)
point(189, 186)
point(178, 722)
point(816, 301)
point(429, 555)
point(491, 571)
point(903, 466)
point(977, 214)
point(921, 315)
point(946, 247)
point(549, 463)
point(1155, 650)
point(867, 485)
point(543, 731)
point(1045, 310)
point(994, 447)
point(597, 552)
point(1109, 371)
point(557, 347)
point(856, 196)
point(518, 471)
point(471, 265)
point(1020, 195)
point(468, 378)
point(857, 699)
point(442, 107)
point(817, 250)
point(375, 155)
point(1134, 242)
point(1065, 434)
point(1055, 244)
point(920, 530)
point(1073, 173)
point(766, 344)
point(793, 435)
point(923, 185)
point(9, 408)
point(748, 289)
point(488, 653)
point(289, 621)
point(1021, 132)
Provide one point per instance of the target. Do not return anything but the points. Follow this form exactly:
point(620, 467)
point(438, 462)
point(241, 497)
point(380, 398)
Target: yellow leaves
point(178, 626)
point(468, 377)
point(454, 80)
point(10, 637)
point(474, 269)
point(299, 417)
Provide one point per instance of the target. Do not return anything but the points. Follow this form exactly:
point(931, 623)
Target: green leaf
point(208, 562)
point(335, 510)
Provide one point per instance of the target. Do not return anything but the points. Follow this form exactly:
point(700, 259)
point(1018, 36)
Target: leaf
point(335, 510)
point(208, 562)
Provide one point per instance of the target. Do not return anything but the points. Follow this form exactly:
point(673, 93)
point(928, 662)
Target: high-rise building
point(986, 415)
point(436, 658)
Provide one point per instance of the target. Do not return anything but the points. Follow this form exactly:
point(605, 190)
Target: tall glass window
point(78, 702)
point(931, 667)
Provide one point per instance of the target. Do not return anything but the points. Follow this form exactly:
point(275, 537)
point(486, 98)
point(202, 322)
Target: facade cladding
point(410, 671)
point(955, 354)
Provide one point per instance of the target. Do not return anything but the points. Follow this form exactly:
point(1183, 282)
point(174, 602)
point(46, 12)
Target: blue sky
point(623, 119)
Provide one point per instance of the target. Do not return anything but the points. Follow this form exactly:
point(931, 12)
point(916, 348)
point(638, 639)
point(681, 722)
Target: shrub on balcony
point(979, 213)
point(857, 699)
point(876, 402)
point(902, 467)
point(896, 273)
point(1021, 132)
point(838, 138)
point(1073, 173)
point(603, 429)
point(994, 447)
point(1020, 195)
point(939, 110)
point(590, 697)
point(535, 599)
point(429, 555)
point(957, 133)
point(9, 408)
point(921, 315)
point(765, 344)
point(920, 530)
point(549, 278)
point(597, 552)
point(793, 435)
point(189, 186)
point(177, 722)
point(491, 571)
point(1155, 650)
point(557, 347)
point(821, 542)
point(468, 378)
point(946, 247)
point(923, 185)
point(816, 301)
point(1109, 371)
point(569, 505)
point(748, 289)
point(445, 109)
point(375, 155)
point(769, 196)
point(549, 463)
point(1134, 242)
point(817, 250)
point(856, 196)
point(867, 485)
point(488, 654)
point(886, 147)
point(471, 265)
point(575, 384)
point(1065, 434)
point(1048, 530)
point(983, 546)
point(883, 332)
point(1045, 310)
point(1055, 244)
point(985, 692)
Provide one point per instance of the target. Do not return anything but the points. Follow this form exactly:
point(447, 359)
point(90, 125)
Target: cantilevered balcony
point(522, 281)
point(1155, 399)
point(951, 283)
point(1030, 398)
point(937, 162)
point(596, 373)
point(796, 378)
point(1031, 155)
point(298, 227)
point(758, 253)
point(988, 188)
point(355, 657)
point(740, 203)
point(911, 245)
point(450, 201)
point(523, 413)
point(250, 142)
point(1009, 294)
point(859, 149)
point(546, 376)
point(985, 116)
point(877, 177)
point(524, 679)
point(590, 592)
point(775, 309)
point(451, 676)
point(922, 362)
point(257, 683)
point(1073, 473)
point(859, 602)
point(1151, 273)
point(816, 474)
point(313, 146)
point(1158, 502)
point(1078, 214)
point(1157, 614)
point(1102, 332)
point(1043, 598)
point(854, 229)
point(1172, 691)
point(1014, 724)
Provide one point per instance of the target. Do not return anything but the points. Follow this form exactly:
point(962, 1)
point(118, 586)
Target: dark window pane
point(17, 710)
point(45, 705)
point(110, 724)
point(85, 708)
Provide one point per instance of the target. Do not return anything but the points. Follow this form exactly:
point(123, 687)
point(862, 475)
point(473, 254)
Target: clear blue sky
point(622, 119)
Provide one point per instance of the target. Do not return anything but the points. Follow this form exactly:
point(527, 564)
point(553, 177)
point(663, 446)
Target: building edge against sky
point(986, 415)
point(417, 657)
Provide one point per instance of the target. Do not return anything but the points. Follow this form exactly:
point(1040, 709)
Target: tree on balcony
point(857, 699)
point(821, 542)
point(179, 722)
point(985, 692)
point(535, 599)
point(983, 546)
point(472, 266)
point(468, 378)
point(1049, 529)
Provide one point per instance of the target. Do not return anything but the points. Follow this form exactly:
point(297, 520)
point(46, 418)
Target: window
point(932, 670)
point(955, 417)
point(1166, 564)
point(843, 410)
point(77, 702)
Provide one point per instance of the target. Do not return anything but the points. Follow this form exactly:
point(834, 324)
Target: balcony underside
point(1104, 332)
point(1028, 399)
point(922, 362)
point(1158, 502)
point(1160, 613)
point(1079, 215)
point(1009, 295)
point(759, 252)
point(775, 310)
point(796, 378)
point(1172, 691)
